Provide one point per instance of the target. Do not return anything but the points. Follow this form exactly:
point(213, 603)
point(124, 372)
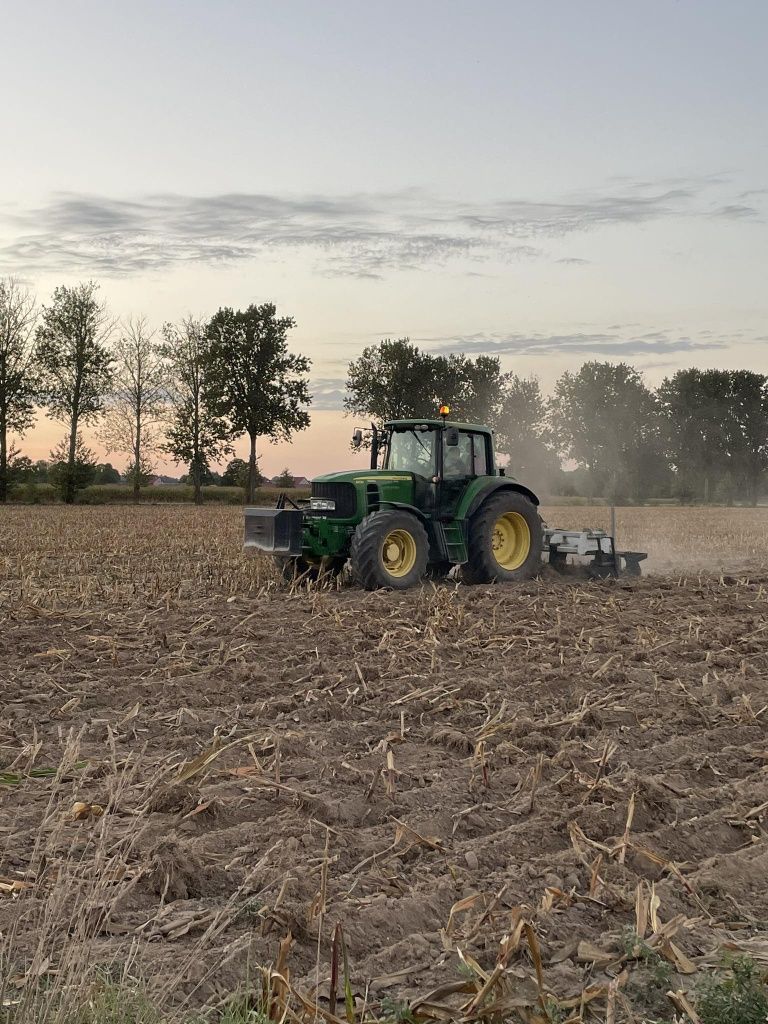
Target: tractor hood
point(353, 476)
point(358, 491)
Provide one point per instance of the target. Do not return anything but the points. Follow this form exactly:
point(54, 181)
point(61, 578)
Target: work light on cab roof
point(432, 498)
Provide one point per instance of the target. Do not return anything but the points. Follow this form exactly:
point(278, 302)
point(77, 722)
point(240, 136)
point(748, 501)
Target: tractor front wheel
point(504, 542)
point(389, 549)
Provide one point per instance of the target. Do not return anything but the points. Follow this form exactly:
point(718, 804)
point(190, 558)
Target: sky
point(550, 183)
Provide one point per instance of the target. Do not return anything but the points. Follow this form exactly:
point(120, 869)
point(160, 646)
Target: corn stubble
point(227, 795)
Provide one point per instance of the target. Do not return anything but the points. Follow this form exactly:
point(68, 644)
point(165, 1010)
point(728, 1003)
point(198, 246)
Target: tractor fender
point(403, 506)
point(494, 488)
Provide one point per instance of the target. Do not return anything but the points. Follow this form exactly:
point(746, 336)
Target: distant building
point(163, 481)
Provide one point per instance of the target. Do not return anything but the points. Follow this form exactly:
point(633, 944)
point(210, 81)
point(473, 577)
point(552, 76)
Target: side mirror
point(452, 437)
point(357, 438)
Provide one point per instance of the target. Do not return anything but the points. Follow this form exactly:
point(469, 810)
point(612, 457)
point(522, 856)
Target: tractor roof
point(433, 424)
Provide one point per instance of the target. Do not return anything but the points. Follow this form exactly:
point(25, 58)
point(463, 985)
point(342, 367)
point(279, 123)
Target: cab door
point(460, 464)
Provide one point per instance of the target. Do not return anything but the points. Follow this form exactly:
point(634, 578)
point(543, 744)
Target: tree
point(140, 477)
point(137, 400)
point(256, 383)
point(716, 432)
point(106, 474)
point(18, 384)
point(67, 475)
point(236, 474)
point(40, 471)
point(75, 366)
point(606, 418)
point(196, 434)
point(523, 432)
point(20, 468)
point(391, 381)
point(748, 435)
point(396, 380)
point(473, 388)
point(285, 479)
point(693, 406)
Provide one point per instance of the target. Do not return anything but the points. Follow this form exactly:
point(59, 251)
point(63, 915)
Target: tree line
point(188, 391)
point(702, 435)
point(191, 389)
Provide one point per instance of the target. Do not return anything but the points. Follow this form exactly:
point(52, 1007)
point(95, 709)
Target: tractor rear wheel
point(504, 543)
point(389, 549)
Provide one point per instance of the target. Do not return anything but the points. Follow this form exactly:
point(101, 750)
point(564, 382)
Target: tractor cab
point(437, 449)
point(442, 456)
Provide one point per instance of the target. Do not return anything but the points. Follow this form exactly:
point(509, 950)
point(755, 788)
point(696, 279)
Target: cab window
point(467, 458)
point(412, 451)
point(479, 455)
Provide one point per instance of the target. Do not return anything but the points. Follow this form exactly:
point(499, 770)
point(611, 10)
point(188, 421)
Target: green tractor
point(438, 500)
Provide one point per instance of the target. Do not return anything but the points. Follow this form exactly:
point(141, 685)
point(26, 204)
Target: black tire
point(389, 549)
point(523, 522)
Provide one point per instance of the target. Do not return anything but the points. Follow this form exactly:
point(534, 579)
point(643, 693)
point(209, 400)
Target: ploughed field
point(198, 760)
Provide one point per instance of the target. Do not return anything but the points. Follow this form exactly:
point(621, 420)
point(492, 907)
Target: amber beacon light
point(444, 410)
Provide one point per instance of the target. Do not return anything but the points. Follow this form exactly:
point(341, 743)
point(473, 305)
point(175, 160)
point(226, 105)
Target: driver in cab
point(457, 461)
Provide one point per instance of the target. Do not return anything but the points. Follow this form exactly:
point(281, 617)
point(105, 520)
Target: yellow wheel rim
point(511, 540)
point(398, 553)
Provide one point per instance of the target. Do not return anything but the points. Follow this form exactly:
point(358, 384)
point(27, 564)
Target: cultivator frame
point(597, 545)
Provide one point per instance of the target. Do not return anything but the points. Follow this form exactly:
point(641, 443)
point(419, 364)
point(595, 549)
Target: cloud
point(364, 235)
point(735, 211)
point(656, 343)
point(328, 393)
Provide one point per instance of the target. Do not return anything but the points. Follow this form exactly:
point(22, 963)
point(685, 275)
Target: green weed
point(738, 998)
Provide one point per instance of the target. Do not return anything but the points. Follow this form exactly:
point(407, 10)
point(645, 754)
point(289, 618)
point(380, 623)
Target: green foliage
point(254, 381)
point(40, 471)
point(285, 479)
point(738, 998)
point(119, 494)
point(71, 474)
point(75, 369)
point(142, 478)
point(115, 1003)
point(243, 1009)
point(606, 419)
point(716, 432)
point(197, 433)
point(104, 1000)
point(396, 380)
point(20, 468)
point(106, 474)
point(76, 366)
point(236, 474)
point(394, 1012)
point(18, 372)
point(555, 1013)
point(33, 493)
